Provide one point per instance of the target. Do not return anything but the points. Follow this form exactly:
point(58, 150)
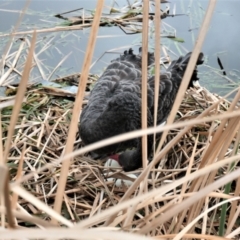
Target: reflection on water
point(222, 39)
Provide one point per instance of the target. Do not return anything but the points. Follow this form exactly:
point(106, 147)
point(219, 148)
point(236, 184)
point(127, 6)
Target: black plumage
point(114, 104)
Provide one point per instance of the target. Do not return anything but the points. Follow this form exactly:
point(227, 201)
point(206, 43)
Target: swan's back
point(114, 102)
point(122, 75)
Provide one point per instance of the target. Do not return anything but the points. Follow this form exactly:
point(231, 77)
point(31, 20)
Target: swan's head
point(129, 160)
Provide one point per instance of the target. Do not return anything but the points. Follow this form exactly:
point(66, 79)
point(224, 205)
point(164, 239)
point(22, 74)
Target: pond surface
point(222, 39)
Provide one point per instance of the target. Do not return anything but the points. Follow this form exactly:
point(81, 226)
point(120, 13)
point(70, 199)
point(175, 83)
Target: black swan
point(114, 105)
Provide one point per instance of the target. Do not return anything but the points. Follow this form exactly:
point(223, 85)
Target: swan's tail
point(179, 67)
point(135, 59)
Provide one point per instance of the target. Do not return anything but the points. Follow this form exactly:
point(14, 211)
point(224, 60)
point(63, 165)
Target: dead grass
point(193, 193)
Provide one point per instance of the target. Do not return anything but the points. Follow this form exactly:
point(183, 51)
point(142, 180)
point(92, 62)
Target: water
point(222, 39)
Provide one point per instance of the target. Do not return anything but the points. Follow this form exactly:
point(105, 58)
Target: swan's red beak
point(114, 157)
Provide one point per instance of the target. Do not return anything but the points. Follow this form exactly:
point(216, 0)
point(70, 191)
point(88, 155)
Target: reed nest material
point(40, 134)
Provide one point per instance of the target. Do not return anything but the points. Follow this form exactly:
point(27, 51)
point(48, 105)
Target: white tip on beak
point(196, 84)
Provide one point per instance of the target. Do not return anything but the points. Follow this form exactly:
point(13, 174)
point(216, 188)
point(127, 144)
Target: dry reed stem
point(58, 65)
point(40, 205)
point(9, 103)
point(19, 97)
point(77, 106)
point(50, 135)
point(205, 217)
point(190, 67)
point(234, 233)
point(3, 175)
point(182, 215)
point(67, 202)
point(144, 81)
point(157, 23)
point(57, 233)
point(230, 132)
point(3, 220)
point(1, 142)
point(13, 65)
point(18, 176)
point(47, 30)
point(193, 236)
point(184, 187)
point(233, 220)
point(42, 128)
point(144, 115)
point(4, 191)
point(37, 62)
point(234, 208)
point(28, 218)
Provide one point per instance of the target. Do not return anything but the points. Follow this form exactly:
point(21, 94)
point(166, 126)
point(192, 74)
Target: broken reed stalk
point(144, 81)
point(190, 67)
point(77, 106)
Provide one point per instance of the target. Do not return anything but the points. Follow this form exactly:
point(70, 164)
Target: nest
point(41, 133)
